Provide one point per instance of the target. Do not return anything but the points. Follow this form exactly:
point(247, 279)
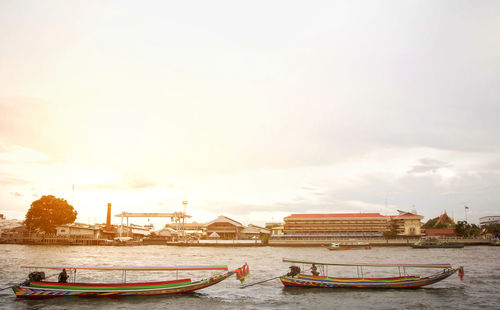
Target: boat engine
point(36, 276)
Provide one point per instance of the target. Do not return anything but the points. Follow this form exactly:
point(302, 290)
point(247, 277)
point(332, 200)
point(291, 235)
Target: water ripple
point(477, 291)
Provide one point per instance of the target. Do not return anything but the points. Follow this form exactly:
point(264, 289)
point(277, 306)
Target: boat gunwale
point(129, 284)
point(312, 283)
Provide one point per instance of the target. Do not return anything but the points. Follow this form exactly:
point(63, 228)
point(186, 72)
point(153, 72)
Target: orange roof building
point(370, 224)
point(351, 224)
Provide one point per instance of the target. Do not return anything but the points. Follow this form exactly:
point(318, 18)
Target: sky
point(252, 110)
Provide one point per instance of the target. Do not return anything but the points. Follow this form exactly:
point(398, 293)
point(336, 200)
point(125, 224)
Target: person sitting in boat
point(294, 270)
point(63, 276)
point(314, 270)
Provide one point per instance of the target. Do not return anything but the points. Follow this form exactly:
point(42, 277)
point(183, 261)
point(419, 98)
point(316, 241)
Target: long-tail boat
point(436, 244)
point(321, 279)
point(36, 287)
point(494, 242)
point(360, 245)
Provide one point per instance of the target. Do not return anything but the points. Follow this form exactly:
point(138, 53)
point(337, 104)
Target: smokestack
point(108, 218)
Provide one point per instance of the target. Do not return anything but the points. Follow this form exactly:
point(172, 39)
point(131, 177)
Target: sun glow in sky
point(250, 110)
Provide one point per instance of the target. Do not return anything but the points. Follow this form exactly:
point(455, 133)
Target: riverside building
point(351, 224)
point(492, 219)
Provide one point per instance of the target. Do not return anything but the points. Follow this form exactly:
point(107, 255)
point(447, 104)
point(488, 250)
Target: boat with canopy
point(36, 287)
point(321, 278)
point(433, 244)
point(359, 245)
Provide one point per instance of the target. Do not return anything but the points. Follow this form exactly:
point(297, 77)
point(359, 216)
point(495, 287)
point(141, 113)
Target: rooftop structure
point(9, 224)
point(225, 227)
point(445, 220)
point(254, 231)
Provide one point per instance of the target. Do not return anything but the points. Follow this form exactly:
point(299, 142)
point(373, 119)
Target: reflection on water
point(478, 290)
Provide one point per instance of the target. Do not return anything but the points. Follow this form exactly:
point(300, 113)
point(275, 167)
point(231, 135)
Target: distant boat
point(36, 287)
point(322, 280)
point(494, 242)
point(430, 244)
point(359, 245)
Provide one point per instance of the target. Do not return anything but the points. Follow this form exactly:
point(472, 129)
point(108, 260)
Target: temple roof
point(224, 219)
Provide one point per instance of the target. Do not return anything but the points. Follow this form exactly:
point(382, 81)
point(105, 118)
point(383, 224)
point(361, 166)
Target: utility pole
point(184, 203)
point(386, 206)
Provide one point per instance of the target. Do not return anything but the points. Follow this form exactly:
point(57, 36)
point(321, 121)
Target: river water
point(479, 289)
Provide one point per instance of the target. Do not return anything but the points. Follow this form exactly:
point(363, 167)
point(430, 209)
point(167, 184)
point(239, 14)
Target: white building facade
point(485, 220)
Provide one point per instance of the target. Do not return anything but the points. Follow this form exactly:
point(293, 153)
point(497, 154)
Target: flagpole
point(465, 211)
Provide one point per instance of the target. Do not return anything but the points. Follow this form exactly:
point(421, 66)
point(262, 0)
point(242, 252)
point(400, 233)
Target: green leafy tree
point(474, 231)
point(466, 230)
point(393, 231)
point(264, 239)
point(493, 229)
point(48, 212)
point(390, 234)
point(461, 228)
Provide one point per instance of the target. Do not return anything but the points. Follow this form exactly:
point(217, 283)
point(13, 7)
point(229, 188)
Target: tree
point(466, 230)
point(153, 235)
point(493, 229)
point(392, 232)
point(48, 212)
point(474, 230)
point(461, 228)
point(264, 238)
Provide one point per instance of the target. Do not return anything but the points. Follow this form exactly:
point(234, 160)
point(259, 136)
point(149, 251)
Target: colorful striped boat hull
point(55, 289)
point(395, 282)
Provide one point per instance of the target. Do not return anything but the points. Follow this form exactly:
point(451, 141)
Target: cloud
point(131, 180)
point(137, 180)
point(103, 187)
point(31, 124)
point(428, 165)
point(292, 95)
point(9, 180)
point(20, 154)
